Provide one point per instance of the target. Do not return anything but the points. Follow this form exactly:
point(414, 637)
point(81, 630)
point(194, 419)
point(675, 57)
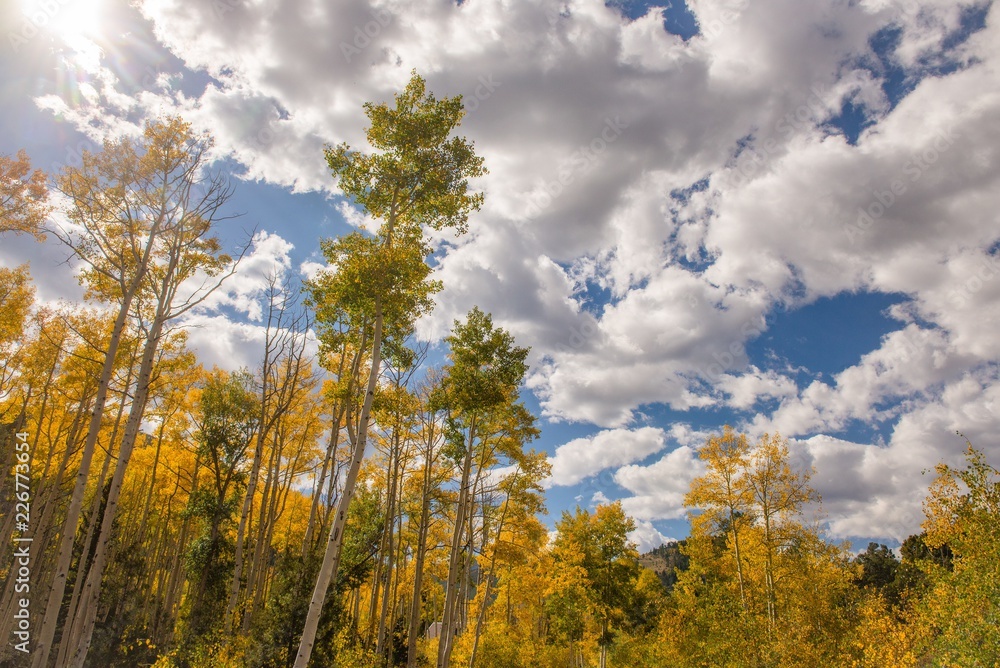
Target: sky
point(774, 214)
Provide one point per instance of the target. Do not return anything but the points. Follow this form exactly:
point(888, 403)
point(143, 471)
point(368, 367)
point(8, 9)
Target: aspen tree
point(430, 442)
point(418, 178)
point(23, 196)
point(284, 343)
point(482, 378)
point(723, 493)
point(122, 202)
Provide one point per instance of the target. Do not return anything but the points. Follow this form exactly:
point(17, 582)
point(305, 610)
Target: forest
point(346, 503)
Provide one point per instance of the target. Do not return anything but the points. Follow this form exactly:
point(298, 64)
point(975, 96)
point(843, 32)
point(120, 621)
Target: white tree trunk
point(331, 557)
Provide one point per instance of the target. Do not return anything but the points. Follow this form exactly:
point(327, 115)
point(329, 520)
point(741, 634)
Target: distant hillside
point(663, 560)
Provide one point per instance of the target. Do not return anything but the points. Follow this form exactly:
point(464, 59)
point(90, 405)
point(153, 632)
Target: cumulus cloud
point(745, 390)
point(583, 457)
point(658, 489)
point(877, 491)
point(651, 201)
point(309, 270)
point(647, 537)
point(266, 262)
point(222, 342)
point(909, 362)
point(599, 499)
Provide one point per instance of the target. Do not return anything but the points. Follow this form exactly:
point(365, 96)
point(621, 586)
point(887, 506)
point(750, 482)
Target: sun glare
point(71, 20)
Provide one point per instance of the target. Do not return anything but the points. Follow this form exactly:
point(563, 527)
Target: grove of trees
point(344, 502)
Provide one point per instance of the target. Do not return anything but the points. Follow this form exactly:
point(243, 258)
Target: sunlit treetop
point(23, 196)
point(419, 175)
point(486, 365)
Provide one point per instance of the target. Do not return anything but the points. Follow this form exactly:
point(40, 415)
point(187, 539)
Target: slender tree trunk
point(489, 584)
point(130, 289)
point(268, 514)
point(92, 523)
point(390, 543)
point(451, 598)
point(398, 598)
point(84, 561)
point(268, 510)
point(482, 612)
point(739, 559)
point(328, 467)
point(155, 576)
point(331, 557)
point(143, 521)
point(471, 546)
point(49, 501)
point(43, 646)
point(258, 454)
point(83, 625)
point(34, 548)
point(462, 604)
point(174, 584)
point(418, 567)
point(333, 493)
point(769, 572)
point(378, 571)
point(604, 644)
point(234, 591)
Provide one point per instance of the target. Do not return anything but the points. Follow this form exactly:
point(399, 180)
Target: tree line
point(349, 504)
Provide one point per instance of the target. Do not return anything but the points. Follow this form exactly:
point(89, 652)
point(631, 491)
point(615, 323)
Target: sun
point(73, 21)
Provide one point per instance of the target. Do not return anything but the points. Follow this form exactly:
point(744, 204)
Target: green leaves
point(229, 417)
point(366, 274)
point(597, 544)
point(420, 177)
point(486, 366)
point(958, 616)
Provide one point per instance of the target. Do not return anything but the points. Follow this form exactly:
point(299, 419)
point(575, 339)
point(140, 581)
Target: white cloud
point(647, 537)
point(357, 217)
point(219, 341)
point(583, 457)
point(267, 260)
point(659, 489)
point(309, 270)
point(874, 491)
point(786, 209)
point(747, 389)
point(910, 361)
point(599, 499)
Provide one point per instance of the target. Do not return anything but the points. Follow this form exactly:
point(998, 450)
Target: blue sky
point(772, 214)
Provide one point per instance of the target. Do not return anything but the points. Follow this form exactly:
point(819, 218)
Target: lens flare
point(73, 21)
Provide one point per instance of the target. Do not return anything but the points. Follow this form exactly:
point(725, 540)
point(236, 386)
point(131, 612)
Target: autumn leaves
point(379, 285)
point(764, 586)
point(384, 513)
